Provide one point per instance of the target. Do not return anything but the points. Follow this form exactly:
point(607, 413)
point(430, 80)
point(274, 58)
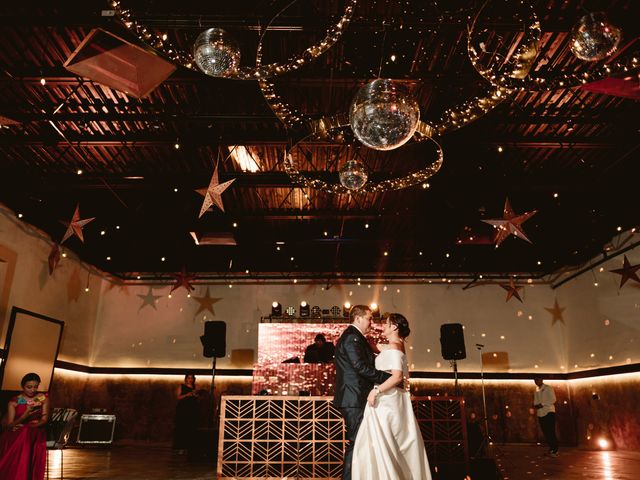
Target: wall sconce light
point(305, 310)
point(346, 308)
point(276, 309)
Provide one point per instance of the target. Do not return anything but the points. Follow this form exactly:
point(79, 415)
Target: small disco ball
point(383, 115)
point(353, 175)
point(594, 38)
point(216, 53)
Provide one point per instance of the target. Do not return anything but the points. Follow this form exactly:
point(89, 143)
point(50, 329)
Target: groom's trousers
point(352, 420)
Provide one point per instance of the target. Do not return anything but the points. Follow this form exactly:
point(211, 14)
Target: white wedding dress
point(389, 445)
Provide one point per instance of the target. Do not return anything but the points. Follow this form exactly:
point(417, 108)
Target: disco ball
point(216, 53)
point(383, 115)
point(594, 38)
point(353, 175)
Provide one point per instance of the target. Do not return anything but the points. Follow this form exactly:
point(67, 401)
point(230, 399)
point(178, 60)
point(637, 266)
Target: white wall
point(60, 296)
point(604, 321)
point(169, 335)
point(107, 327)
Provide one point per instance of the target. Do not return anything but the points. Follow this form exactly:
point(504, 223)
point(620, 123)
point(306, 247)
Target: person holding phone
point(187, 410)
point(23, 444)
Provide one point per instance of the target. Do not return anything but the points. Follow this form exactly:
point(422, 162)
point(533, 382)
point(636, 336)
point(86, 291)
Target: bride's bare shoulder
point(382, 346)
point(395, 346)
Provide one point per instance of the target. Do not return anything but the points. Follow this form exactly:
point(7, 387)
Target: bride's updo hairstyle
point(401, 323)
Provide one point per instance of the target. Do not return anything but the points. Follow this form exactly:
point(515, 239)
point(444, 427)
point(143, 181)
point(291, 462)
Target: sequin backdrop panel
point(278, 342)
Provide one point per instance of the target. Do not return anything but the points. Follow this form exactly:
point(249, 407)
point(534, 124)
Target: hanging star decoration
point(149, 299)
point(628, 272)
point(54, 258)
point(206, 302)
point(556, 312)
point(509, 224)
point(74, 227)
point(213, 194)
point(183, 279)
point(512, 290)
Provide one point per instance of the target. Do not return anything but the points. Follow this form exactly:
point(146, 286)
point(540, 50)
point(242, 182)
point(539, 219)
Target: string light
point(396, 183)
point(516, 73)
point(185, 58)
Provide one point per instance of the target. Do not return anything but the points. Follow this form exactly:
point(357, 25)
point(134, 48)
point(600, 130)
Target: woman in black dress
point(186, 414)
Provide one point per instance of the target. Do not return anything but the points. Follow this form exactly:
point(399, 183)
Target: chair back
point(60, 426)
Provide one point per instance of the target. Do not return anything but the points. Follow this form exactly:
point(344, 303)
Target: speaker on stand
point(452, 346)
point(214, 345)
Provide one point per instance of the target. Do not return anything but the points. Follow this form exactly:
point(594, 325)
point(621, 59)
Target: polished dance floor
point(523, 462)
point(159, 463)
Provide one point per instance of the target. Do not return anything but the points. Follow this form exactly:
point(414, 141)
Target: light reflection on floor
point(158, 463)
point(523, 462)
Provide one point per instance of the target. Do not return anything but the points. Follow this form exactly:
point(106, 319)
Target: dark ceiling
point(570, 154)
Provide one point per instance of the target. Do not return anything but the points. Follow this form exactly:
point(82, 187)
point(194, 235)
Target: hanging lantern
point(594, 38)
point(383, 115)
point(216, 53)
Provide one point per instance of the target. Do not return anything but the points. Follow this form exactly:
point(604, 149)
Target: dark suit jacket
point(355, 371)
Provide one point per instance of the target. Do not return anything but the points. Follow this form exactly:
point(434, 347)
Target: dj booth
point(303, 437)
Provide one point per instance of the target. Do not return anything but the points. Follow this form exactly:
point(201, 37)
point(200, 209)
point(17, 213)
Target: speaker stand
point(214, 406)
point(488, 448)
point(456, 389)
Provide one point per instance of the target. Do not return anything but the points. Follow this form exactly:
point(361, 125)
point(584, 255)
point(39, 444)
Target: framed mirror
point(32, 344)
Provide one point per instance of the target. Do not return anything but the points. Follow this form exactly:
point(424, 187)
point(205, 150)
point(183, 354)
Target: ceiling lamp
point(384, 115)
point(353, 175)
point(216, 53)
point(594, 38)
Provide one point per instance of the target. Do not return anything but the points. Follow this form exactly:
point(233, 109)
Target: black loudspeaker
point(452, 341)
point(214, 340)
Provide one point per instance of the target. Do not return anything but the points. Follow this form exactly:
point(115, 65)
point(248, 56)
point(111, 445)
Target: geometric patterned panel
point(303, 437)
point(443, 425)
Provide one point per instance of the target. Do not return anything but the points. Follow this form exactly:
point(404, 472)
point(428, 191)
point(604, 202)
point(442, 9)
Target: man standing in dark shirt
point(319, 352)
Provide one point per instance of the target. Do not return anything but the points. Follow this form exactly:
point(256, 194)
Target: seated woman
point(23, 446)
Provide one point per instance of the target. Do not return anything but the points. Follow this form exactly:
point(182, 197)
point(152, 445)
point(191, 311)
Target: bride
point(389, 445)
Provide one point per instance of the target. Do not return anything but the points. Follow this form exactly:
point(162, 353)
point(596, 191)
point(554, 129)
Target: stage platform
point(160, 463)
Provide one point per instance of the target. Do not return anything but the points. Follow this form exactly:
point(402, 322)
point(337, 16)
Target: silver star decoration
point(213, 194)
point(149, 299)
point(74, 227)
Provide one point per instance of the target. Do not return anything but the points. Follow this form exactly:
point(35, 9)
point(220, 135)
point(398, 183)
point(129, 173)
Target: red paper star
point(74, 227)
point(512, 290)
point(627, 271)
point(183, 279)
point(510, 224)
point(54, 258)
point(556, 312)
point(213, 194)
point(206, 302)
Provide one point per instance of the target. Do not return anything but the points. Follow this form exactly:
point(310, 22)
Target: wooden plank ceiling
point(570, 154)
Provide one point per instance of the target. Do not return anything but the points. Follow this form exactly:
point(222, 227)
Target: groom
point(355, 376)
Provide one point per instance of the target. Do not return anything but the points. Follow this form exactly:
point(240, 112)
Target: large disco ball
point(216, 53)
point(383, 115)
point(594, 38)
point(353, 175)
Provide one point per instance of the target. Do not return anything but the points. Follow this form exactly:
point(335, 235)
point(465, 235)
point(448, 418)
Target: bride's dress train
point(389, 445)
